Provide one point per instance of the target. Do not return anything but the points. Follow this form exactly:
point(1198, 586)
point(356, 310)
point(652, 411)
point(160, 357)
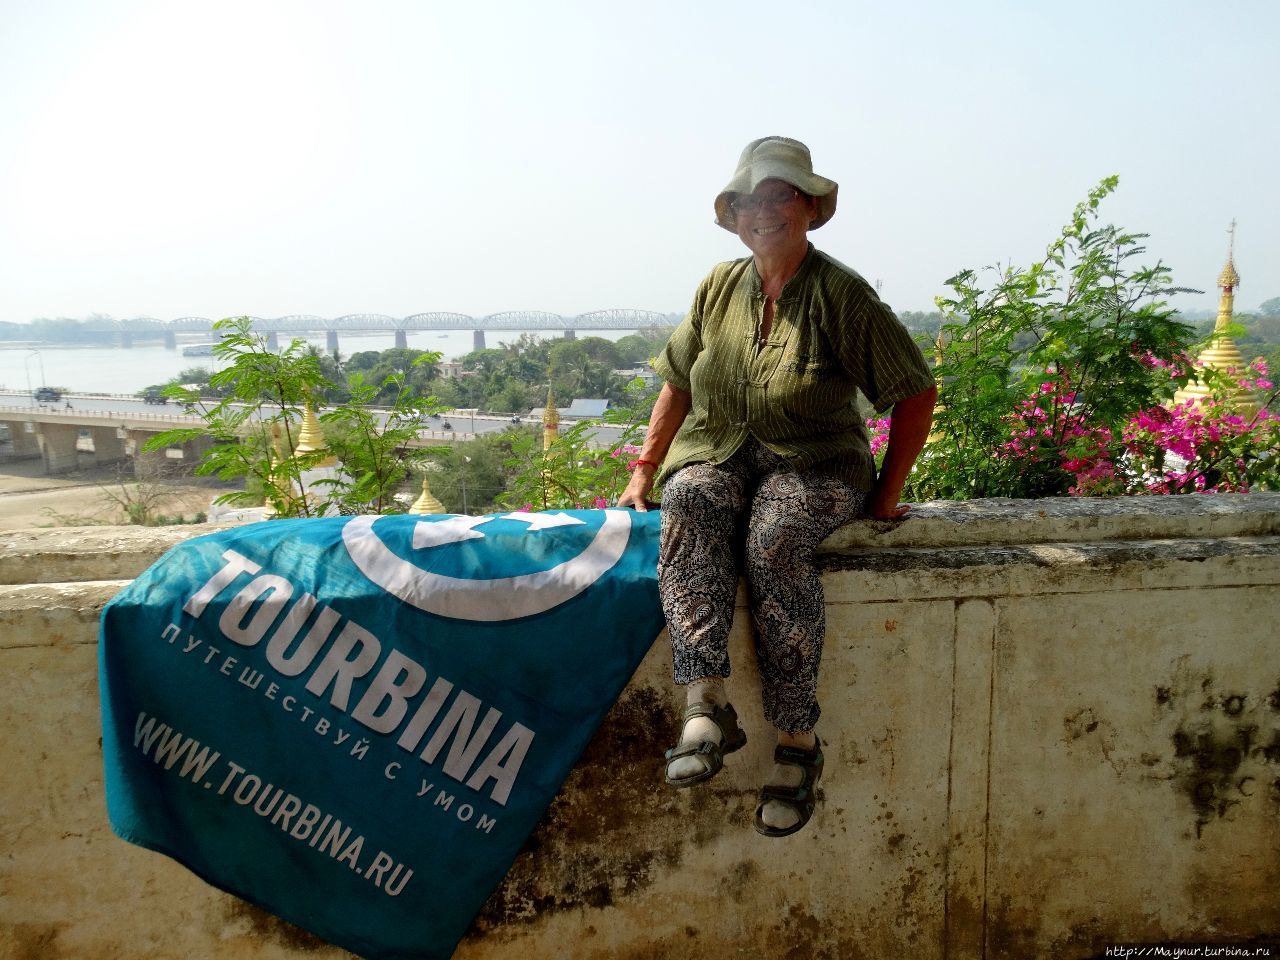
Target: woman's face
point(774, 220)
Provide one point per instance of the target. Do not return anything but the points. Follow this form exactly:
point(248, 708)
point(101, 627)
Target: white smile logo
point(501, 598)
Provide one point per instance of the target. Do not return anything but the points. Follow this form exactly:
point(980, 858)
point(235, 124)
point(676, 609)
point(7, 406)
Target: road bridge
point(54, 435)
point(114, 429)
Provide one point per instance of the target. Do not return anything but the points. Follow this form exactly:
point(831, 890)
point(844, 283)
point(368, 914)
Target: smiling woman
point(758, 427)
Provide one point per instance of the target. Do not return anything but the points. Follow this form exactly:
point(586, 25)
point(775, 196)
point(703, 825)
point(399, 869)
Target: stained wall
point(1051, 726)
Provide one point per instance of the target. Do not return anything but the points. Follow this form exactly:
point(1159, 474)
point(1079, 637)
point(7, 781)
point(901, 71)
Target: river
point(93, 369)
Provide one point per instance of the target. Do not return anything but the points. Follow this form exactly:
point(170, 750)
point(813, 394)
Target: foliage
point(376, 451)
point(469, 477)
point(255, 428)
point(1196, 446)
point(920, 322)
point(1205, 446)
point(515, 377)
point(1034, 366)
point(385, 366)
point(140, 501)
point(135, 501)
point(642, 345)
point(194, 377)
point(571, 474)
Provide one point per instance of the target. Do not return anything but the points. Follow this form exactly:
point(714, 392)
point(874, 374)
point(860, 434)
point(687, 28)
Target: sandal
point(801, 798)
point(710, 754)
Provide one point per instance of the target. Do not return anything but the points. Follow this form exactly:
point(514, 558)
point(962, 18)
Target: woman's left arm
point(909, 425)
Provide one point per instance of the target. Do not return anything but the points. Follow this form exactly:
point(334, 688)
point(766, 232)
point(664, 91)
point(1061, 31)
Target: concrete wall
point(1052, 726)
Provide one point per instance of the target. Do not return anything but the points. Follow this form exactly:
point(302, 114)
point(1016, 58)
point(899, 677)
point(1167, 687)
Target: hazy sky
point(271, 157)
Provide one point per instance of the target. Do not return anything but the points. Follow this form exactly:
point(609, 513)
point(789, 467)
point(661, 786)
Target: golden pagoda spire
point(1228, 279)
point(1223, 354)
point(426, 502)
point(550, 421)
point(310, 439)
point(277, 445)
point(269, 508)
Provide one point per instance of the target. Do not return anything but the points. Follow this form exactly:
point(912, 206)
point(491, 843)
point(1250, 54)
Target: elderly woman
point(762, 453)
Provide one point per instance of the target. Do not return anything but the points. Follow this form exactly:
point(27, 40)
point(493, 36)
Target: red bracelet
point(635, 463)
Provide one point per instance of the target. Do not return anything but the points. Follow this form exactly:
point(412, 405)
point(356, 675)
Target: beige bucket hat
point(777, 158)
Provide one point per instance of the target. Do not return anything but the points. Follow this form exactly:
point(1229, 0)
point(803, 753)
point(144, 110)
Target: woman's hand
point(908, 430)
point(637, 493)
point(669, 411)
point(883, 504)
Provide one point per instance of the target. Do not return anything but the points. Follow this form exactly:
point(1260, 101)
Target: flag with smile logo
point(354, 723)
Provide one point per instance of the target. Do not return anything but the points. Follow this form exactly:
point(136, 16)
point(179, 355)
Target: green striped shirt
point(831, 338)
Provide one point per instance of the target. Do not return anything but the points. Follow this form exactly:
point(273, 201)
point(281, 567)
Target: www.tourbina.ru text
point(301, 821)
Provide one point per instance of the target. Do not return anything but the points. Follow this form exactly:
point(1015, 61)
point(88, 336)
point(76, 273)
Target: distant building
point(646, 373)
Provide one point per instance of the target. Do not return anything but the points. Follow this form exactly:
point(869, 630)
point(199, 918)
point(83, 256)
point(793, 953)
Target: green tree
point(469, 477)
point(573, 473)
point(194, 377)
point(483, 362)
point(581, 368)
point(255, 429)
point(1048, 354)
point(643, 345)
point(513, 397)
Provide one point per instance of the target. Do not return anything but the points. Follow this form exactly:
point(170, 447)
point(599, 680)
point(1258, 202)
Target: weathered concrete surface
point(108, 445)
point(71, 554)
point(1051, 726)
point(1140, 757)
point(58, 445)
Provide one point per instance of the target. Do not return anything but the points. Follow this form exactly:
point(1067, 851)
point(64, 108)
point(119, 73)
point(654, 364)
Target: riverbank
point(30, 498)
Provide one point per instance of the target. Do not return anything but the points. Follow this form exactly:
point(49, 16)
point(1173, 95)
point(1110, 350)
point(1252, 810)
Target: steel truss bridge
point(303, 323)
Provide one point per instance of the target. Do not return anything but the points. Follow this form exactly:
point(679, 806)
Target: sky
point(276, 157)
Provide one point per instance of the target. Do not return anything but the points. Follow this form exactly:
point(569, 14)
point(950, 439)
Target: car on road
point(47, 395)
point(154, 396)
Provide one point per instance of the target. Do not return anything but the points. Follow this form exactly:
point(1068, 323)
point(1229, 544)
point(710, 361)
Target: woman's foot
point(710, 731)
point(787, 799)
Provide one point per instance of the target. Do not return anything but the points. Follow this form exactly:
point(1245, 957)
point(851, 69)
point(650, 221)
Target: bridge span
point(272, 327)
point(113, 429)
point(58, 435)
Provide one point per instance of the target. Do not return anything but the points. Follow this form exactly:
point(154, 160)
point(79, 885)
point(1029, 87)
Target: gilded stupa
point(550, 422)
point(311, 440)
point(277, 442)
point(1223, 355)
point(426, 502)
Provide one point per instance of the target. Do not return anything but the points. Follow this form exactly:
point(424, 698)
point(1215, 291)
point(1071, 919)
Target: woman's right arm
point(669, 411)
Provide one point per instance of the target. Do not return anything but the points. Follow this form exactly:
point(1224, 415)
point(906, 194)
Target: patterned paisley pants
point(752, 512)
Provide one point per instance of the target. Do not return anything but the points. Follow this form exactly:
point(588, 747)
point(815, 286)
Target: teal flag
point(354, 723)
